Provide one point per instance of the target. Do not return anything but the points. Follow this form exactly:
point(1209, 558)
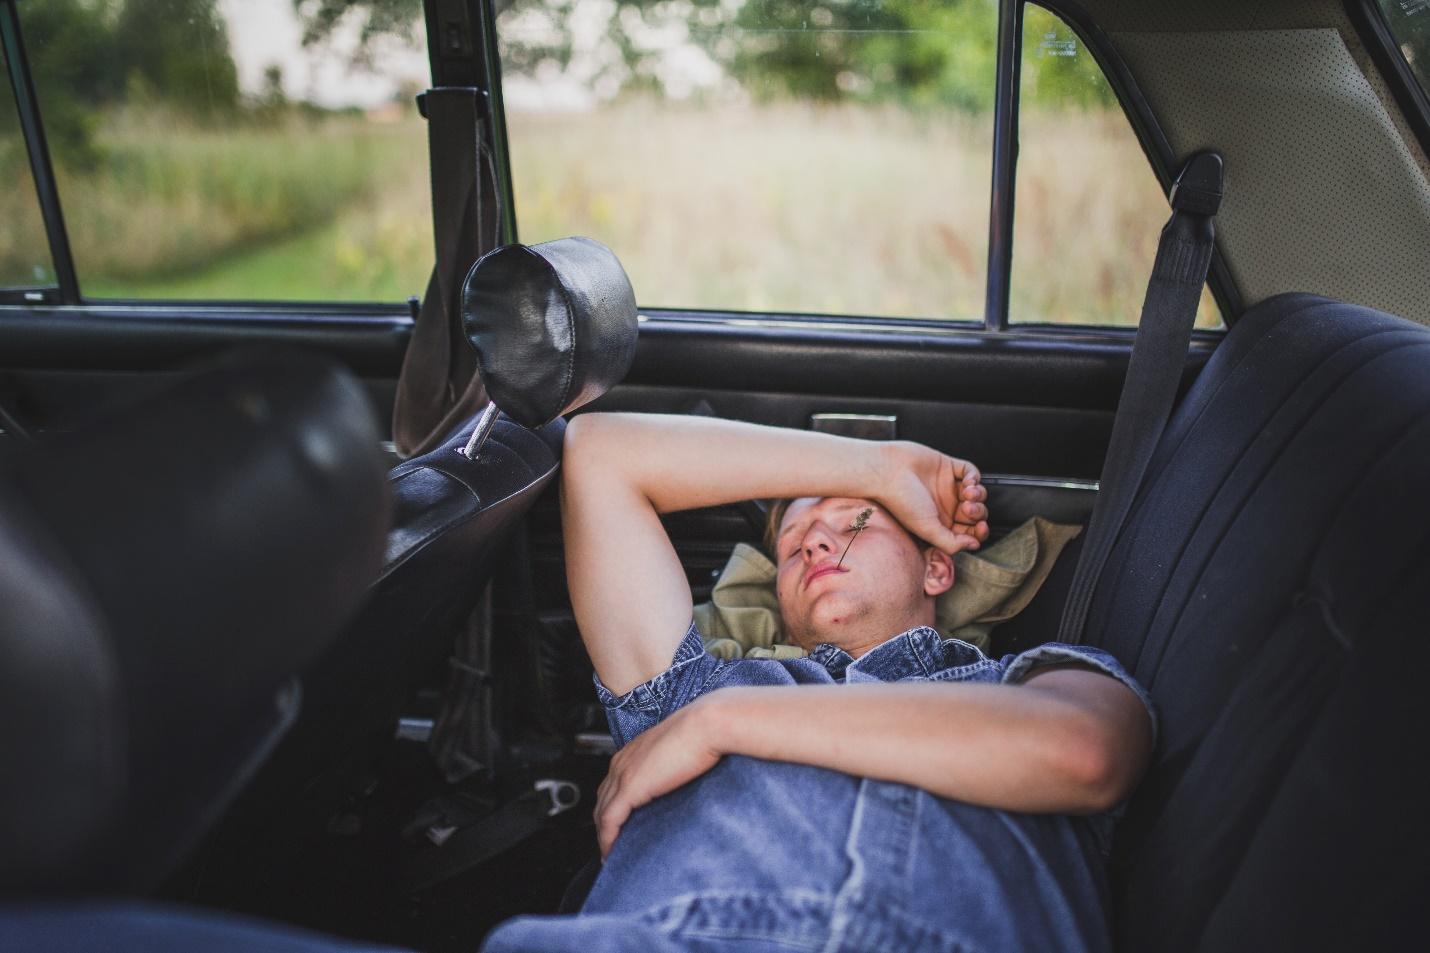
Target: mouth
point(821, 571)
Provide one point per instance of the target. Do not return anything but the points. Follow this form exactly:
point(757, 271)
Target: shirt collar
point(917, 651)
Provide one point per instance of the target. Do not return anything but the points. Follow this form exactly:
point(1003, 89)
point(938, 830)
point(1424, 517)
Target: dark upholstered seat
point(1272, 589)
point(164, 575)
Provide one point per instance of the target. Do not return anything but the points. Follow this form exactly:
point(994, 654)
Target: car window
point(24, 248)
point(1088, 208)
point(1409, 22)
point(236, 149)
point(817, 158)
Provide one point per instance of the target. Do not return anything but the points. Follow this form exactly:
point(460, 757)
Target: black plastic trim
point(29, 108)
point(1374, 32)
point(1005, 164)
point(144, 338)
point(1164, 162)
point(1072, 368)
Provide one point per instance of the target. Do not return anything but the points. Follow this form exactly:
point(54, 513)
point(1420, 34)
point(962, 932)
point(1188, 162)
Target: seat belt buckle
point(1198, 187)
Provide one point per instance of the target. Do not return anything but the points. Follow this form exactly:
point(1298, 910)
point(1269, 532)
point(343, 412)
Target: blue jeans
point(789, 857)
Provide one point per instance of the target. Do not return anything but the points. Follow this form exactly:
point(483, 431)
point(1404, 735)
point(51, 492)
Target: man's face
point(886, 583)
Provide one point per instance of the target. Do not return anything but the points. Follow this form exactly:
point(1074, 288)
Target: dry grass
point(783, 207)
point(844, 210)
point(778, 208)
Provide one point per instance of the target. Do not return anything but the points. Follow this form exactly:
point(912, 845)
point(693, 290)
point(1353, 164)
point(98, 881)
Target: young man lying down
point(892, 790)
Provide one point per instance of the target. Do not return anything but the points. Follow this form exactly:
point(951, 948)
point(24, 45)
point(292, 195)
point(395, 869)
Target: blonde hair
point(775, 515)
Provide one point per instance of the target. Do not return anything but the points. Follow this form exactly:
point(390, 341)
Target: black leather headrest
point(178, 564)
point(554, 325)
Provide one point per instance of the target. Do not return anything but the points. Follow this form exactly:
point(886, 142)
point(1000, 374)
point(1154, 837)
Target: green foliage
point(916, 51)
point(179, 50)
point(70, 47)
point(379, 17)
point(1059, 72)
point(89, 55)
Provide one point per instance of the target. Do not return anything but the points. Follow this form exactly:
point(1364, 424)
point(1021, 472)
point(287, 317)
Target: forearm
point(1004, 746)
point(679, 463)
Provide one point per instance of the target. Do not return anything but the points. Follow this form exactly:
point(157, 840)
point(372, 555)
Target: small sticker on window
point(1412, 7)
point(1054, 45)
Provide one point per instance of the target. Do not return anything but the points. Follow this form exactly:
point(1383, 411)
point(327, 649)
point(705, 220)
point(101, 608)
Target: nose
point(818, 542)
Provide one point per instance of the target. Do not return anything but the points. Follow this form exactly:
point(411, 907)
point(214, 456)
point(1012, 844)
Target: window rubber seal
point(1374, 32)
point(61, 258)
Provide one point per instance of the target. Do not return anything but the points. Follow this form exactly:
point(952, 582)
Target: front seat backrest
point(165, 575)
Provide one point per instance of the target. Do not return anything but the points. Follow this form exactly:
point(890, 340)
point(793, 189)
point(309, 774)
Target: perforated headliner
point(1326, 190)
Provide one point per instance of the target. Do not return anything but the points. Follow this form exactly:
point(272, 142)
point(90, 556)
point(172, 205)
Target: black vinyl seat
point(1271, 588)
point(163, 577)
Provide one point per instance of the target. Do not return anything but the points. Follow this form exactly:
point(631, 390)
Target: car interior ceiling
point(387, 731)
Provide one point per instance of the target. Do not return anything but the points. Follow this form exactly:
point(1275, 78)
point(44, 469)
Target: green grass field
point(778, 207)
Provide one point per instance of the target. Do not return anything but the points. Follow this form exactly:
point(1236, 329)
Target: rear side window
point(1409, 22)
point(236, 149)
point(24, 248)
point(762, 156)
point(1088, 209)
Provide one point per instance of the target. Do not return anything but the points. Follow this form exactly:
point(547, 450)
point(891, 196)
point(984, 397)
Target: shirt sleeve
point(1017, 668)
point(689, 676)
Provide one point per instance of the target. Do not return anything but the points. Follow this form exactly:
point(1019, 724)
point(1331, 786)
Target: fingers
point(970, 516)
point(609, 819)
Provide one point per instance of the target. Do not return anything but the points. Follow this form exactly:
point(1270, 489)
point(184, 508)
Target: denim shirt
point(764, 855)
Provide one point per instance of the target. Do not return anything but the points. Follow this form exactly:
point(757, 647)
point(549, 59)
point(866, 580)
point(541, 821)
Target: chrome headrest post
point(481, 431)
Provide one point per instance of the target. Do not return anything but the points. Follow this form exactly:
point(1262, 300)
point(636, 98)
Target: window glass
point(242, 149)
point(1409, 22)
point(24, 248)
point(761, 155)
point(1088, 209)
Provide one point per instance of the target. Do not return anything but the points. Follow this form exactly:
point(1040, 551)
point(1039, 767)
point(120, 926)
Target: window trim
point(1374, 32)
point(43, 175)
point(1007, 93)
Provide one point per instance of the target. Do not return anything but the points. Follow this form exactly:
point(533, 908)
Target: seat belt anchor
point(563, 795)
point(1198, 187)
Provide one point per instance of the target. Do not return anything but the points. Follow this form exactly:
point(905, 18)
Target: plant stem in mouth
point(856, 528)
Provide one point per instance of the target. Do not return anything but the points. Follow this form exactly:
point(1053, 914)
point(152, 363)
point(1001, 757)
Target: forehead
point(826, 506)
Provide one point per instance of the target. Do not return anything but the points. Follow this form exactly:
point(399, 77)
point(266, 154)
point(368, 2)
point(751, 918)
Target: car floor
point(343, 874)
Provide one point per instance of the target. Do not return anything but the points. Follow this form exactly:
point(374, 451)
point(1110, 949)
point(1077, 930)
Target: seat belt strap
point(1154, 372)
point(438, 388)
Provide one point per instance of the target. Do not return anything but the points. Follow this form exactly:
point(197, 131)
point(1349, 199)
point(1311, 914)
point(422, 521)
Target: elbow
point(1099, 765)
point(581, 446)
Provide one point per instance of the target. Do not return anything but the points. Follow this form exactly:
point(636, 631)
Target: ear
point(938, 572)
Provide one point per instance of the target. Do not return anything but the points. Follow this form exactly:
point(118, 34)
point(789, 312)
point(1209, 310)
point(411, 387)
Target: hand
point(938, 498)
point(659, 760)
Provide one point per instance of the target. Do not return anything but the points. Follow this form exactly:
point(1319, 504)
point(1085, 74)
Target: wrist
point(717, 716)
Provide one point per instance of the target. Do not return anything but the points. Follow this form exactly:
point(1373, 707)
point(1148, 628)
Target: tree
point(69, 45)
point(178, 49)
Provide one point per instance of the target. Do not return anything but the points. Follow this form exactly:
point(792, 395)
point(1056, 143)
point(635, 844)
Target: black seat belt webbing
point(1158, 356)
point(438, 389)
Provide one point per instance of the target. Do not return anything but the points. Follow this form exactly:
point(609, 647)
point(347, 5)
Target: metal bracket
point(564, 795)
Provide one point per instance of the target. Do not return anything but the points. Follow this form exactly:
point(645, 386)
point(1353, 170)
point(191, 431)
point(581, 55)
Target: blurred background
point(746, 155)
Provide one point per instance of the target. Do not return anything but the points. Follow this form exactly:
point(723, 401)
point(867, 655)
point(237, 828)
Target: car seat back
point(163, 576)
point(1270, 588)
